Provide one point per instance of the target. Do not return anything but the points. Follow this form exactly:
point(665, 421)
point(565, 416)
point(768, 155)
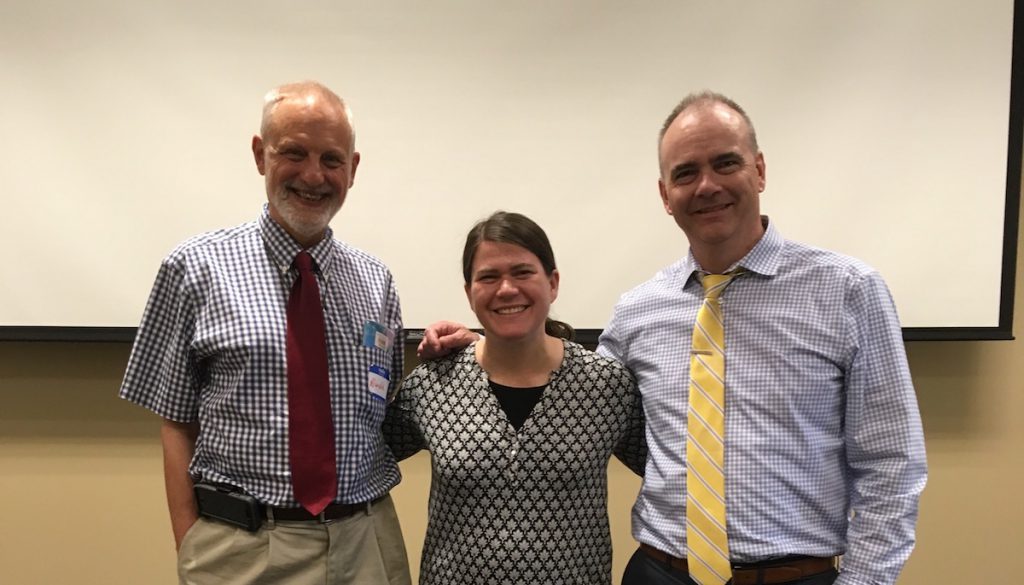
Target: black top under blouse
point(517, 403)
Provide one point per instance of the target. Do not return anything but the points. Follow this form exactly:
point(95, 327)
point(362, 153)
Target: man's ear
point(355, 165)
point(664, 196)
point(759, 164)
point(257, 153)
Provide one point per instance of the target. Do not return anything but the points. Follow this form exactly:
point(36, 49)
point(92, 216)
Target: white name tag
point(379, 380)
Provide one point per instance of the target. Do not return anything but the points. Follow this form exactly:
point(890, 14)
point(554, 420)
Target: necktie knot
point(304, 262)
point(714, 284)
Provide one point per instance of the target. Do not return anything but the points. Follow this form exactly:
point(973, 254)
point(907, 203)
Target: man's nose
point(707, 184)
point(312, 174)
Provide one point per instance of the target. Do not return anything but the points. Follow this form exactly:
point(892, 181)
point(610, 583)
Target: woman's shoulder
point(430, 372)
point(580, 358)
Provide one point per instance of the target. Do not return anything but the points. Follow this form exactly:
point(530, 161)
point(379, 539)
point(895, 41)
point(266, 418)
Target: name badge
point(379, 380)
point(377, 335)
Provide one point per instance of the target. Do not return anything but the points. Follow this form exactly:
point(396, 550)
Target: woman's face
point(509, 291)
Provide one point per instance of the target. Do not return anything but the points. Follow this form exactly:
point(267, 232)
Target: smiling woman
point(510, 293)
point(520, 427)
point(514, 242)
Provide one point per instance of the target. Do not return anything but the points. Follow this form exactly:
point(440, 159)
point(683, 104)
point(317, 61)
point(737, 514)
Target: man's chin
point(304, 231)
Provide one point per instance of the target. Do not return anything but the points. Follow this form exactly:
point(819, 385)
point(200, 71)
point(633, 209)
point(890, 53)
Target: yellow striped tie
point(707, 546)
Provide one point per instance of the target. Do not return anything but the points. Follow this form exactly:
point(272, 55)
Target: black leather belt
point(331, 512)
point(766, 573)
point(230, 505)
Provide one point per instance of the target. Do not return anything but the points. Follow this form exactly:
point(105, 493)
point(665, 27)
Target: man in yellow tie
point(781, 418)
point(784, 431)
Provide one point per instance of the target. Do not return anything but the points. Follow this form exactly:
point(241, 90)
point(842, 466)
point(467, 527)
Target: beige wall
point(81, 493)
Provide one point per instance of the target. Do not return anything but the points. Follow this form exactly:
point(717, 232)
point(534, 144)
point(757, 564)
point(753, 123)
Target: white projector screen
point(887, 130)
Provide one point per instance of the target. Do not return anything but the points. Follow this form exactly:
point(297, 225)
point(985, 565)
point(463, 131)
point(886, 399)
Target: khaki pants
point(363, 549)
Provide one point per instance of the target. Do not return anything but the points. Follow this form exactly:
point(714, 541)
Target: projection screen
point(891, 132)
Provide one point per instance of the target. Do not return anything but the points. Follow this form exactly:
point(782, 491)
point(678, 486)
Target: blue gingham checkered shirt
point(824, 452)
point(211, 347)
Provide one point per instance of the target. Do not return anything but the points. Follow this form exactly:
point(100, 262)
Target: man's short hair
point(703, 98)
point(302, 88)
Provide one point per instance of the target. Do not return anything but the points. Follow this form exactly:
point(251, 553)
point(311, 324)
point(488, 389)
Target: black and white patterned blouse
point(527, 507)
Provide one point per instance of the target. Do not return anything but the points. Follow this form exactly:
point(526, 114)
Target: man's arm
point(443, 337)
point(179, 443)
point(884, 442)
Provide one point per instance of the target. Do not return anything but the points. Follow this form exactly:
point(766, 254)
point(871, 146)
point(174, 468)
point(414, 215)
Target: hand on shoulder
point(443, 337)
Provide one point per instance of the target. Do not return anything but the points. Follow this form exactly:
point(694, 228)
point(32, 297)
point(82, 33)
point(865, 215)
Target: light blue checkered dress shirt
point(824, 452)
point(211, 347)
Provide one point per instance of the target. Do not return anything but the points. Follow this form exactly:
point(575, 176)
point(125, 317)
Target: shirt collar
point(282, 248)
point(764, 258)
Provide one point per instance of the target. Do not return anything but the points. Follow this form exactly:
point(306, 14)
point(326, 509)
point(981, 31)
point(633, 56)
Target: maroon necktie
point(310, 427)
